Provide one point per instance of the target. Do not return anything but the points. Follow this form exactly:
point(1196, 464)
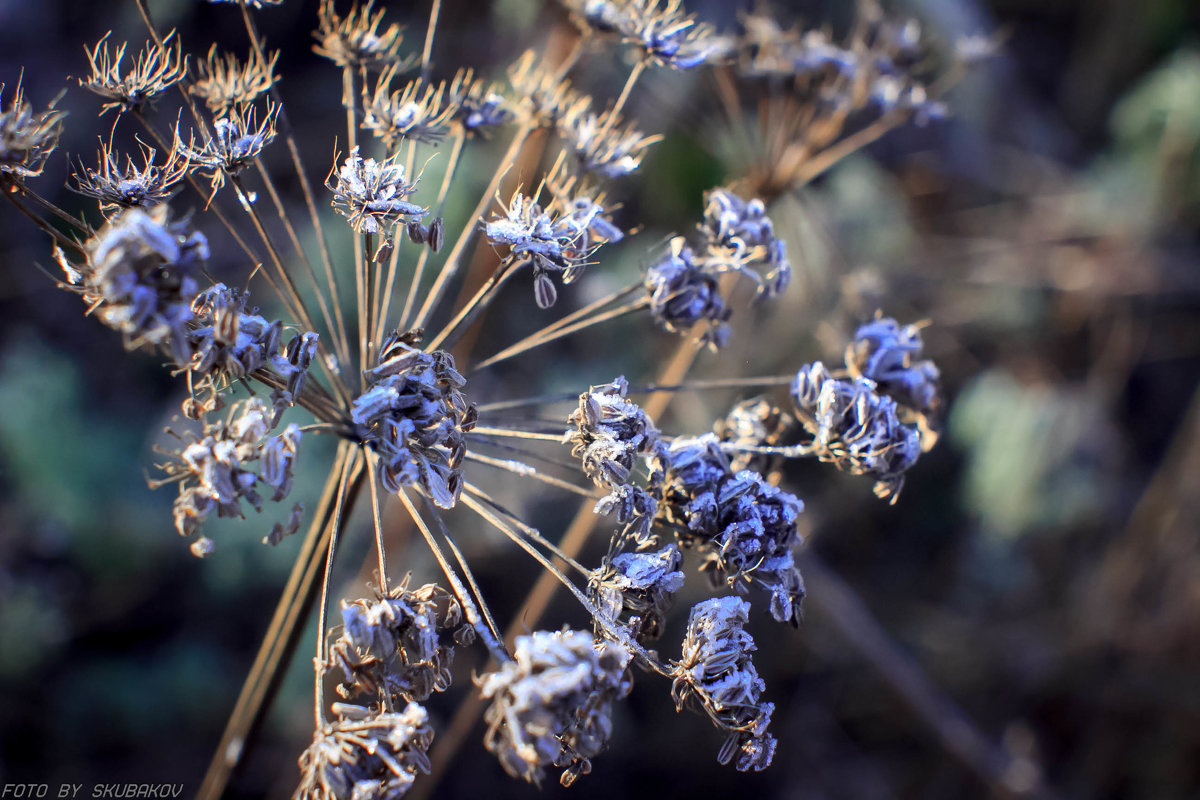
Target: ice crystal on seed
point(140, 276)
point(372, 195)
point(414, 415)
point(552, 705)
point(366, 754)
point(716, 672)
point(27, 138)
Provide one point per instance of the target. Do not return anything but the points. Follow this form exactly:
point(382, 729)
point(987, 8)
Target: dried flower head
point(140, 278)
point(225, 83)
point(855, 427)
point(886, 352)
point(717, 672)
point(215, 469)
point(355, 40)
point(638, 589)
point(237, 139)
point(478, 104)
point(26, 138)
point(420, 112)
point(666, 34)
point(601, 142)
point(753, 423)
point(372, 195)
point(156, 69)
point(230, 343)
point(739, 236)
point(552, 705)
point(366, 754)
point(559, 239)
point(400, 646)
point(544, 95)
point(414, 415)
point(117, 187)
point(685, 294)
point(745, 527)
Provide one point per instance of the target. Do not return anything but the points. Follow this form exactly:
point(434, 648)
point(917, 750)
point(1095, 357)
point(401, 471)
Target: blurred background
point(1026, 619)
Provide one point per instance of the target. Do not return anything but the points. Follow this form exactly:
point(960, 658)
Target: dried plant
point(414, 427)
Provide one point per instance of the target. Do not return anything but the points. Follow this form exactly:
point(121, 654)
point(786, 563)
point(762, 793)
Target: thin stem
point(352, 137)
point(449, 334)
point(470, 576)
point(634, 74)
point(531, 532)
point(339, 332)
point(323, 609)
point(281, 637)
point(334, 331)
point(537, 340)
point(410, 299)
point(517, 434)
point(377, 519)
point(451, 265)
point(62, 239)
point(492, 643)
point(649, 388)
point(427, 51)
point(526, 471)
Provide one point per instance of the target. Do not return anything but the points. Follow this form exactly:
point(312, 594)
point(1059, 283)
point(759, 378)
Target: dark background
point(1038, 581)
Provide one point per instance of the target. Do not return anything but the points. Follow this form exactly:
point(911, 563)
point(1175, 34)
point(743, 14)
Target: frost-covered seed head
point(638, 589)
point(552, 705)
point(141, 276)
point(26, 138)
point(156, 68)
point(414, 415)
point(855, 427)
point(685, 294)
point(366, 754)
point(131, 186)
point(224, 83)
point(398, 647)
point(716, 672)
point(355, 40)
point(372, 195)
